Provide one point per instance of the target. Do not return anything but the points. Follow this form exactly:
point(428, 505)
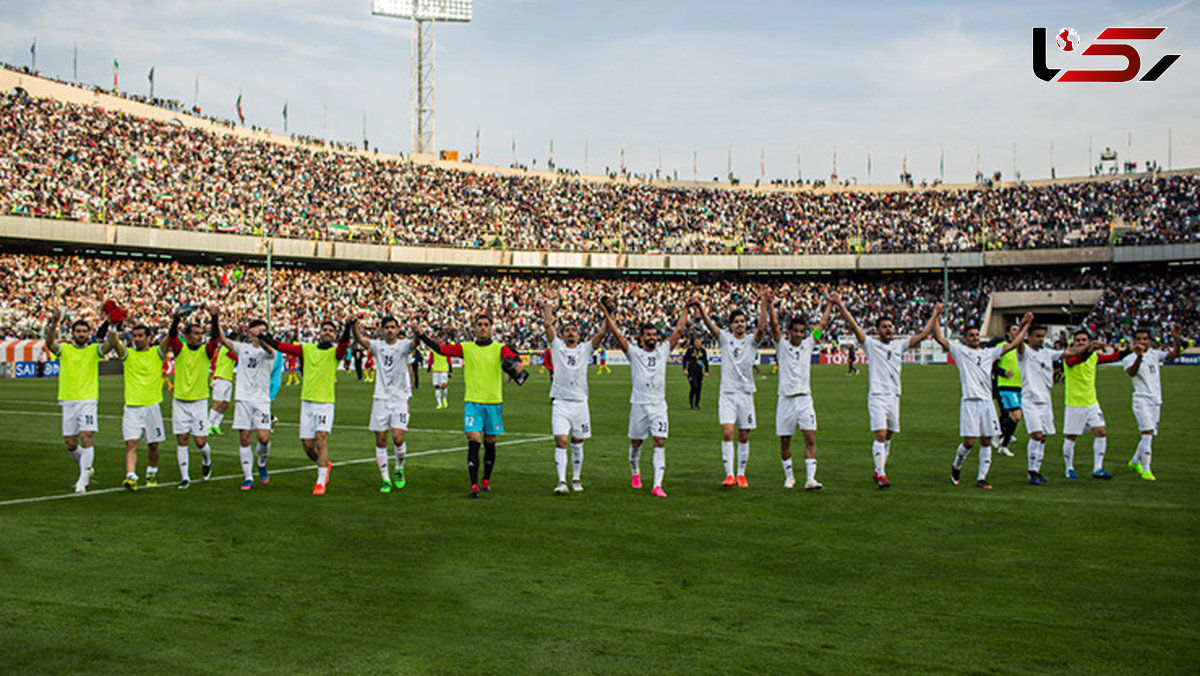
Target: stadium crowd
point(32, 285)
point(70, 161)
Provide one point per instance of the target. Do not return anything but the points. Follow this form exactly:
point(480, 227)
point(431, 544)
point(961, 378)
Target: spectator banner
point(21, 350)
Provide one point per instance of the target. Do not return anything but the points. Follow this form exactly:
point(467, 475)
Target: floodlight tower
point(423, 14)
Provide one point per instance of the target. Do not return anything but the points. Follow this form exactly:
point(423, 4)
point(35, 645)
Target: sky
point(771, 89)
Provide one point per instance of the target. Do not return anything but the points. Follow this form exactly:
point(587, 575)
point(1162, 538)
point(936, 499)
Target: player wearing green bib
point(1007, 373)
point(189, 408)
point(143, 398)
point(1082, 407)
point(319, 361)
point(222, 387)
point(79, 388)
point(484, 362)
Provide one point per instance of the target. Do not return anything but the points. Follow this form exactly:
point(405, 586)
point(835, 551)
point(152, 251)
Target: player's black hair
point(328, 323)
point(881, 319)
point(256, 322)
point(647, 327)
point(735, 314)
point(797, 320)
point(968, 327)
point(1082, 332)
point(389, 320)
point(1149, 334)
point(1037, 327)
point(189, 326)
point(484, 315)
point(141, 327)
point(79, 322)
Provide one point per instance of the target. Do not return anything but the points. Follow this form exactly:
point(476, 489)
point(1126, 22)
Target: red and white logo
point(1067, 39)
point(1112, 41)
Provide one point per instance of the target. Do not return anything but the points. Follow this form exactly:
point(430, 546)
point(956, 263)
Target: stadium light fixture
point(423, 14)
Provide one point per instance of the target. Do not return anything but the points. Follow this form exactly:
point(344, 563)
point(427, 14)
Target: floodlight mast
point(423, 14)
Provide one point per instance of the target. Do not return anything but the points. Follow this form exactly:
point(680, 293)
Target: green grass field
point(1073, 577)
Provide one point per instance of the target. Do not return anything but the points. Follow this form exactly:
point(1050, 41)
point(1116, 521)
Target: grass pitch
point(1073, 577)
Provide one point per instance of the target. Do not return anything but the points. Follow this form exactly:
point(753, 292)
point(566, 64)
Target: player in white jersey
point(393, 389)
point(885, 355)
point(735, 399)
point(648, 398)
point(1037, 380)
point(570, 419)
point(795, 407)
point(1144, 366)
point(252, 409)
point(976, 415)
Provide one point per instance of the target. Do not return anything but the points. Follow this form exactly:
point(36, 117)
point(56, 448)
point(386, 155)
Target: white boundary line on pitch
point(286, 470)
point(167, 418)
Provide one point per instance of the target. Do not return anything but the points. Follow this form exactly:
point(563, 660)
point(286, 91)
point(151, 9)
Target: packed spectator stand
point(85, 163)
point(32, 285)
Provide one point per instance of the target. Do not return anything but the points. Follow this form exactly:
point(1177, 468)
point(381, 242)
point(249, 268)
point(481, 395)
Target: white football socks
point(264, 451)
point(381, 459)
point(181, 453)
point(86, 455)
point(322, 474)
point(810, 469)
point(727, 456)
point(1069, 454)
point(879, 454)
point(960, 456)
point(985, 462)
point(400, 451)
point(1144, 450)
point(247, 457)
point(743, 454)
point(660, 465)
point(1099, 445)
point(1031, 456)
point(206, 454)
point(576, 461)
point(787, 470)
point(560, 464)
point(635, 460)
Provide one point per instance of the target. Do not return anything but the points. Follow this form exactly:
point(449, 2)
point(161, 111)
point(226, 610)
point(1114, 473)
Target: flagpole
point(75, 64)
point(33, 53)
point(196, 94)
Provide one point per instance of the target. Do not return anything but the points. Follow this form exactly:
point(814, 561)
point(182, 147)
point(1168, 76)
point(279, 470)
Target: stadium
point(163, 265)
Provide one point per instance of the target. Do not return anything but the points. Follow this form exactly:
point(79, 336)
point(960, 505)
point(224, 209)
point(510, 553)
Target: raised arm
point(705, 318)
point(52, 331)
point(937, 335)
point(599, 337)
point(677, 334)
point(859, 334)
point(825, 316)
point(1136, 366)
point(930, 326)
point(115, 345)
point(766, 315)
point(769, 316)
point(361, 340)
point(1176, 342)
point(218, 332)
point(1019, 339)
point(548, 320)
point(612, 327)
